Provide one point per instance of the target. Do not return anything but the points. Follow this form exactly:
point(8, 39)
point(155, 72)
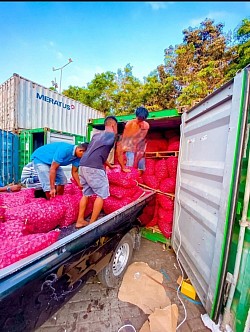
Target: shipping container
point(27, 105)
point(211, 213)
point(30, 140)
point(8, 157)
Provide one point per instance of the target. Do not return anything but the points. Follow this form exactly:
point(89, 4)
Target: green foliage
point(205, 59)
point(241, 49)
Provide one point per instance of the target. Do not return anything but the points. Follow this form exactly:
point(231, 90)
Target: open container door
point(206, 188)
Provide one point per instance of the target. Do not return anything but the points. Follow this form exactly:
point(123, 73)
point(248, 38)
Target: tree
point(241, 49)
point(199, 63)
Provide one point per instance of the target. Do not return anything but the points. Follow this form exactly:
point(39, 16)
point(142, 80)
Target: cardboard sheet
point(162, 320)
point(142, 286)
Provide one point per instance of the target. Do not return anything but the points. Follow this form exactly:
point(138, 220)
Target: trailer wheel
point(112, 274)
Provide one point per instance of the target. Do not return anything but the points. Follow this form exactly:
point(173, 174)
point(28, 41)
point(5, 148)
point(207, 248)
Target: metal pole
point(61, 68)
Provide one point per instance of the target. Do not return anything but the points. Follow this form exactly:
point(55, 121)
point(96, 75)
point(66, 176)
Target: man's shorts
point(43, 174)
point(94, 181)
point(130, 161)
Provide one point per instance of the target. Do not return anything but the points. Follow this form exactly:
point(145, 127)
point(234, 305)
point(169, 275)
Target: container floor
point(97, 309)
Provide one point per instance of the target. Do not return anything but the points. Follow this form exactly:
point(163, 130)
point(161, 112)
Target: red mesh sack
point(165, 228)
point(161, 169)
point(121, 192)
point(150, 181)
point(19, 198)
point(174, 146)
point(140, 180)
point(13, 250)
point(153, 145)
point(172, 163)
point(138, 194)
point(154, 135)
point(165, 202)
point(154, 220)
point(147, 215)
point(168, 185)
point(119, 178)
point(150, 166)
point(166, 215)
point(171, 133)
point(112, 204)
point(163, 145)
point(43, 217)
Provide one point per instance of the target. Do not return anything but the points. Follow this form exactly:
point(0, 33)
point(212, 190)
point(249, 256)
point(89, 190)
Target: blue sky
point(98, 36)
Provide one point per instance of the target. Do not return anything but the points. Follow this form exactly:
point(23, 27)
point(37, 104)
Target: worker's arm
point(10, 188)
point(52, 178)
point(75, 175)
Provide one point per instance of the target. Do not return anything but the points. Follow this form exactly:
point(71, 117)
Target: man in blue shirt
point(49, 158)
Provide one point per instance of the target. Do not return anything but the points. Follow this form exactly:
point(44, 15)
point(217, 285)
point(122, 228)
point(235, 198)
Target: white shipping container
point(27, 105)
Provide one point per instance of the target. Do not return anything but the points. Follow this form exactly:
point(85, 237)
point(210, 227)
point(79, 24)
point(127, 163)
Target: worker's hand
point(126, 170)
point(53, 192)
point(15, 187)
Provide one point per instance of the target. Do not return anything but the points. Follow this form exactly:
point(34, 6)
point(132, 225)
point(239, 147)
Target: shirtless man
point(133, 141)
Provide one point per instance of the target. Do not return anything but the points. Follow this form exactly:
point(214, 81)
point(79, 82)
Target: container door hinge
point(229, 280)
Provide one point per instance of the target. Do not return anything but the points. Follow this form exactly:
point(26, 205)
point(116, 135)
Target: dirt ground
point(97, 309)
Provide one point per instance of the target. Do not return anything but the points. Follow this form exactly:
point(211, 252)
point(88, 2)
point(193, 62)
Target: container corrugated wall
point(8, 157)
point(204, 191)
point(26, 105)
point(30, 140)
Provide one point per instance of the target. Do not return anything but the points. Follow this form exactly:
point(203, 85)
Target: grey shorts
point(94, 181)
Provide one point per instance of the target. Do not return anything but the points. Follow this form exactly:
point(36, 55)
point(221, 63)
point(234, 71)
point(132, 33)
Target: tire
point(112, 274)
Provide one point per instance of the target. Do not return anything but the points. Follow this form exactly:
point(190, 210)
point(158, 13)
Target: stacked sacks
point(123, 188)
point(28, 223)
point(12, 250)
point(161, 174)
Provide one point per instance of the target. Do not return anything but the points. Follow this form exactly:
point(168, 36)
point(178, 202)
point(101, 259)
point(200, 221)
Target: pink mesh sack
point(165, 202)
point(19, 198)
point(161, 169)
point(43, 217)
point(112, 204)
point(150, 181)
point(14, 250)
point(119, 178)
point(172, 163)
point(168, 185)
point(150, 166)
point(20, 213)
point(121, 192)
point(11, 230)
point(70, 204)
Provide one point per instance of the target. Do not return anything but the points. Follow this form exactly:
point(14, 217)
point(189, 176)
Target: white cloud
point(59, 55)
point(158, 4)
point(212, 15)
